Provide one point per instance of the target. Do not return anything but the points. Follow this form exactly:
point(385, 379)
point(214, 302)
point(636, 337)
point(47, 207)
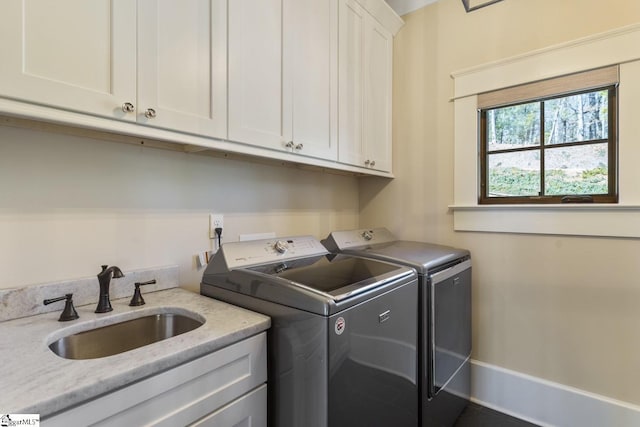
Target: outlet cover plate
point(215, 221)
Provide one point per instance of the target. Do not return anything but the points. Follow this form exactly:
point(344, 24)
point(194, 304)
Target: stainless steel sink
point(120, 337)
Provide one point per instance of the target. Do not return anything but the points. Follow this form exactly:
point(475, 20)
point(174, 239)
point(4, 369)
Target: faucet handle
point(137, 295)
point(69, 312)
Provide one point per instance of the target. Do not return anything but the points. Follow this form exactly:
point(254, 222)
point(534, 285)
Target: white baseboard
point(544, 402)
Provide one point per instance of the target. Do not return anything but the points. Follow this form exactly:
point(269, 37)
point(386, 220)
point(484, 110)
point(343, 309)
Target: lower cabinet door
point(248, 411)
point(179, 396)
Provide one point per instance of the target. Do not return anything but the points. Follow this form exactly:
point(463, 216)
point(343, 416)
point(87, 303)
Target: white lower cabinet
point(224, 388)
point(249, 410)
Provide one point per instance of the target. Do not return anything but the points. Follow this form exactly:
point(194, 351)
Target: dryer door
point(450, 323)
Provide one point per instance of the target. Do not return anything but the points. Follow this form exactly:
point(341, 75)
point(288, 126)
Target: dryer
point(444, 289)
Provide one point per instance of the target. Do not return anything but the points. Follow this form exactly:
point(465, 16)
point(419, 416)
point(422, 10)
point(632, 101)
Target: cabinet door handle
point(150, 113)
point(373, 162)
point(299, 146)
point(366, 162)
point(128, 107)
point(289, 144)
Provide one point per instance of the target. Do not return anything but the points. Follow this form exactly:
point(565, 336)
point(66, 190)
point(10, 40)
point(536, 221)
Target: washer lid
point(336, 277)
point(317, 282)
point(424, 257)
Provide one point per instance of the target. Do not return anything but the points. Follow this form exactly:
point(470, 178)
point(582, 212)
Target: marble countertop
point(35, 380)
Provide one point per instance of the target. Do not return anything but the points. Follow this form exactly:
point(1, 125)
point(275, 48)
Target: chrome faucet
point(104, 279)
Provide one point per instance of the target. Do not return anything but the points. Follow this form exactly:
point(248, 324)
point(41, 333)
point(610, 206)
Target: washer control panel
point(281, 246)
point(367, 235)
point(341, 240)
point(254, 252)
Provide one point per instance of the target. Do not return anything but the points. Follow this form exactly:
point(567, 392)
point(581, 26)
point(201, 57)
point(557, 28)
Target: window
point(541, 146)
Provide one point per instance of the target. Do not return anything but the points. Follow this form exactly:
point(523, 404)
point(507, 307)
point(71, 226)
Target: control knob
point(367, 235)
point(281, 246)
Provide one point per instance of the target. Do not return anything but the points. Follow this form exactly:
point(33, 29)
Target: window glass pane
point(575, 118)
point(514, 174)
point(513, 127)
point(576, 170)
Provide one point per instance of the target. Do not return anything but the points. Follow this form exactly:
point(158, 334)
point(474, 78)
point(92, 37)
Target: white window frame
point(619, 220)
point(621, 46)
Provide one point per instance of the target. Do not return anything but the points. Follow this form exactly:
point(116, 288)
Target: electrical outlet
point(215, 221)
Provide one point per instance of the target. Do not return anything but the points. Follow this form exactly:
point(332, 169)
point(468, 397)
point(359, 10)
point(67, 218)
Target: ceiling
point(405, 6)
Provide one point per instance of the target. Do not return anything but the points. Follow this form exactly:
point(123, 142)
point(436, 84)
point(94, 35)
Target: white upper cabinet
point(283, 75)
point(182, 51)
point(255, 72)
point(167, 68)
point(307, 81)
point(72, 54)
point(351, 86)
point(365, 84)
point(310, 76)
point(378, 58)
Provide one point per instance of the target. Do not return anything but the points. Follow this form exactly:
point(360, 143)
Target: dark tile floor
point(479, 416)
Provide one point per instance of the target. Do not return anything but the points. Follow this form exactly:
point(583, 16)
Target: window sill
point(592, 219)
point(547, 206)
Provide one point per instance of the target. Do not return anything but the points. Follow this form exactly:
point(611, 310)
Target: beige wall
point(69, 204)
point(566, 309)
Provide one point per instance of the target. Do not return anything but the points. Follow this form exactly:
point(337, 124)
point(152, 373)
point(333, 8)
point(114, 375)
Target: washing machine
point(444, 292)
point(342, 348)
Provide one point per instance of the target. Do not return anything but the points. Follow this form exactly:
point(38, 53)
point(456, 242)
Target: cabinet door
point(255, 72)
point(351, 101)
point(71, 54)
point(249, 411)
point(365, 56)
point(310, 75)
point(182, 65)
point(196, 390)
point(378, 58)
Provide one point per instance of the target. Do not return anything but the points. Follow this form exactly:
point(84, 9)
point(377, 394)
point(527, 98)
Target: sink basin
point(124, 336)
